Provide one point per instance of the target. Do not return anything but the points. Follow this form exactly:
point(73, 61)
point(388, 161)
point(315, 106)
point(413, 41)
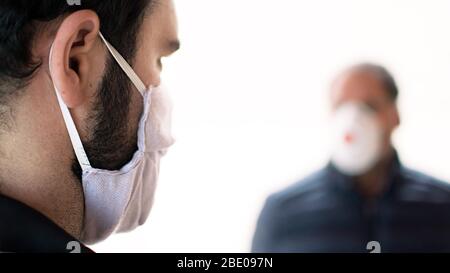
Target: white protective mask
point(356, 139)
point(119, 201)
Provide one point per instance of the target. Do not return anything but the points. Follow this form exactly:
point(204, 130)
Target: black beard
point(112, 144)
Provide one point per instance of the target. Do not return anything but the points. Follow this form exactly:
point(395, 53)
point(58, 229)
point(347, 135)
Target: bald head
point(373, 86)
point(362, 81)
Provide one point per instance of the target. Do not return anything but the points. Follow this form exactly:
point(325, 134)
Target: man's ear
point(70, 64)
point(396, 117)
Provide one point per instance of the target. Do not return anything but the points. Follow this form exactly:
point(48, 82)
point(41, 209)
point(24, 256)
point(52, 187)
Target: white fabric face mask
point(119, 201)
point(356, 139)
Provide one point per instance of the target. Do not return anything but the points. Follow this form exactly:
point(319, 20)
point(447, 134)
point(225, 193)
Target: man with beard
point(83, 119)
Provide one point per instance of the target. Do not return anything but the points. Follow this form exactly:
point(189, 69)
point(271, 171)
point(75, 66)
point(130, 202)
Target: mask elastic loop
point(71, 128)
point(125, 66)
point(70, 125)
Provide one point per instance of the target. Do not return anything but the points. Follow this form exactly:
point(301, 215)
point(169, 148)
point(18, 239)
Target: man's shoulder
point(422, 187)
point(24, 229)
point(313, 189)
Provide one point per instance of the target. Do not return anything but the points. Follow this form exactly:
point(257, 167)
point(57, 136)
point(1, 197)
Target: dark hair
point(384, 76)
point(120, 20)
point(19, 24)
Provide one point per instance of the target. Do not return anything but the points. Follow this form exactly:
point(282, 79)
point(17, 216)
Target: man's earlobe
point(69, 63)
point(397, 117)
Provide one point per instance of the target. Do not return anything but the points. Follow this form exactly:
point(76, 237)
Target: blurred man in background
point(364, 199)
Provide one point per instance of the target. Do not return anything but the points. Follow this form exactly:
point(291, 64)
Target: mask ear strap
point(70, 125)
point(140, 86)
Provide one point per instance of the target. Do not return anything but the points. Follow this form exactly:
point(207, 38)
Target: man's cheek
point(136, 108)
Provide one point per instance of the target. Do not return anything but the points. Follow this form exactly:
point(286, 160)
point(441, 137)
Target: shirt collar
point(23, 229)
point(346, 183)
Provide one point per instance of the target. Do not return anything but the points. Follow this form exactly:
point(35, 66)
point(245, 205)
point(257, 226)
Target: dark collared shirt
point(22, 229)
point(325, 213)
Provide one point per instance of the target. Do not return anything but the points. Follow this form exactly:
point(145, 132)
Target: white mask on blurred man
point(356, 139)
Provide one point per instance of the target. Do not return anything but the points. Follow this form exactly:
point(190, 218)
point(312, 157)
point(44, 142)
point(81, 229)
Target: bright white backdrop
point(250, 92)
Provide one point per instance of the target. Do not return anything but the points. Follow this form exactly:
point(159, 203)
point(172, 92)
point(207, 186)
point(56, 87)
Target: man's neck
point(36, 160)
point(56, 195)
point(373, 184)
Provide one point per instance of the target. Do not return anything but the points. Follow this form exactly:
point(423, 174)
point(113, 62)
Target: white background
point(250, 91)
